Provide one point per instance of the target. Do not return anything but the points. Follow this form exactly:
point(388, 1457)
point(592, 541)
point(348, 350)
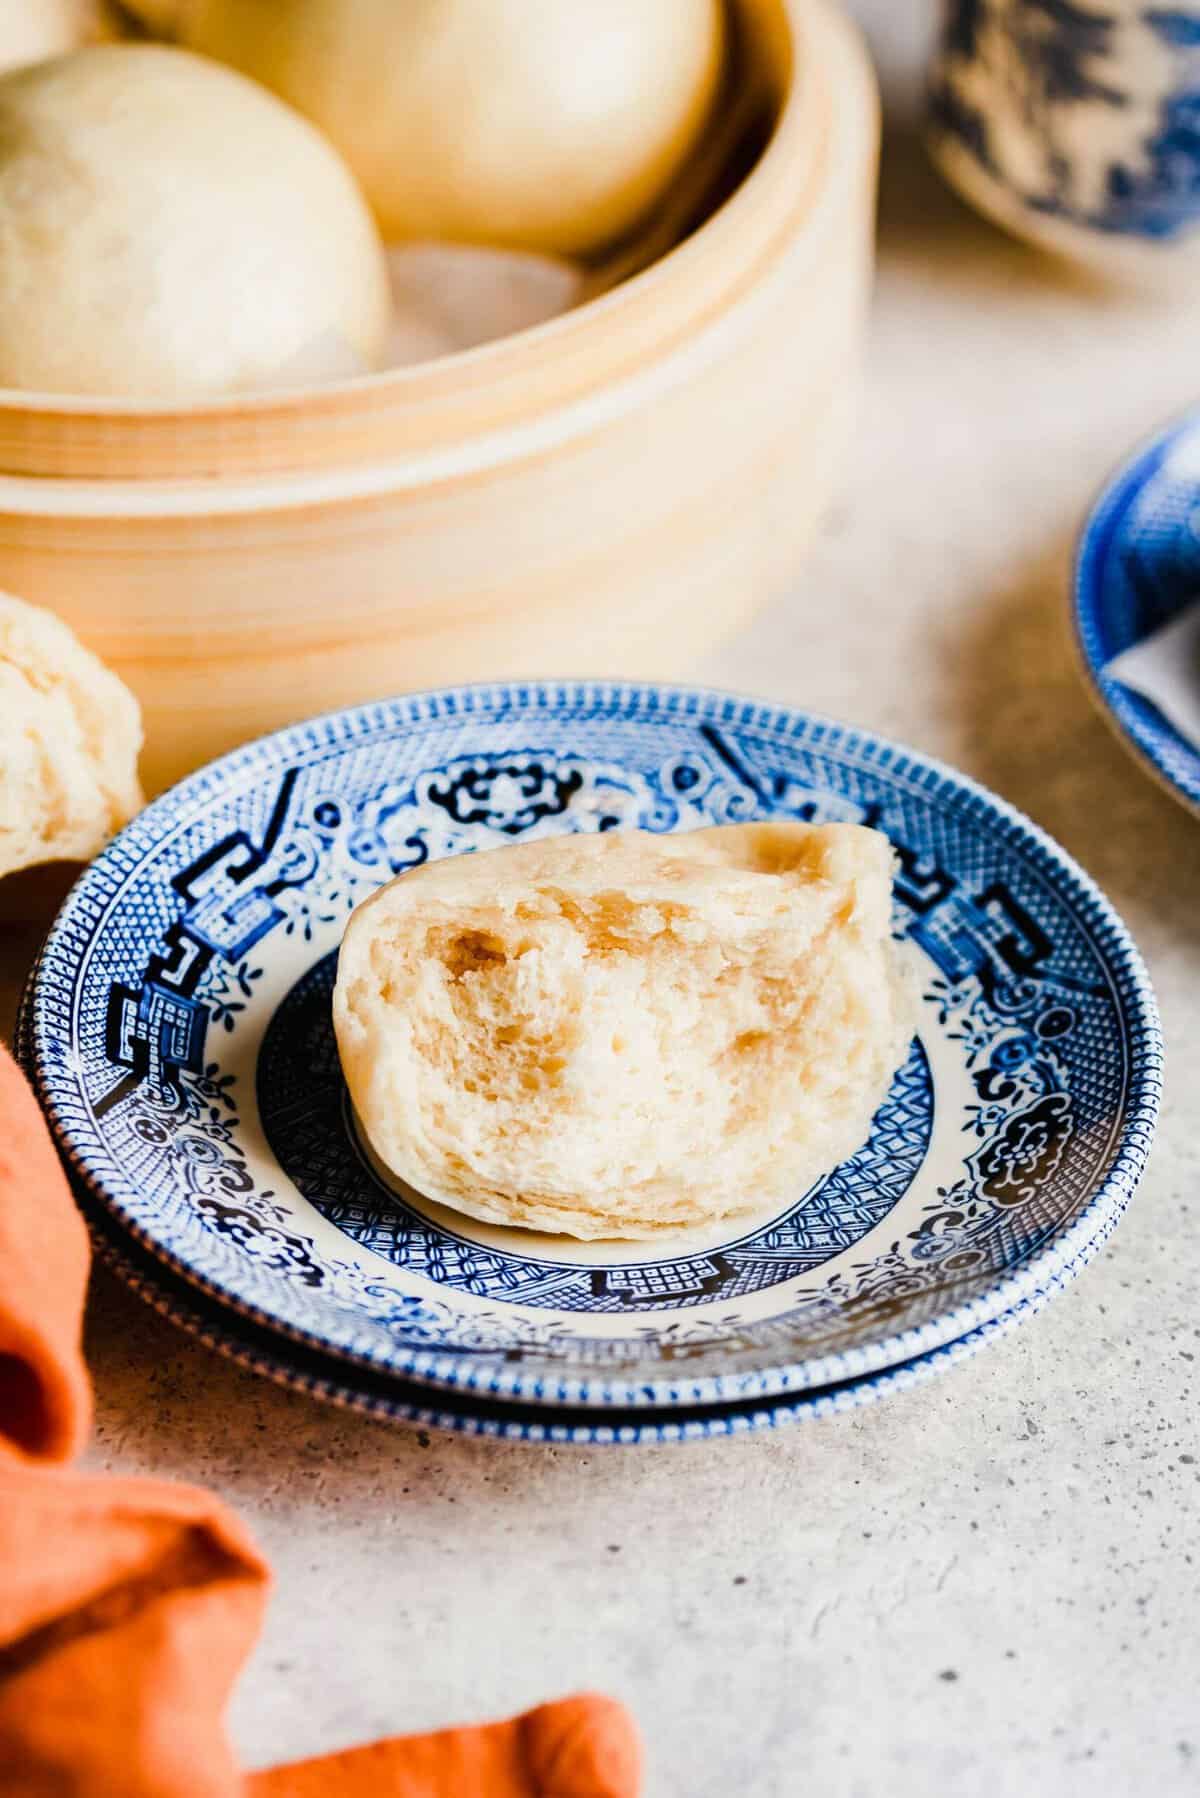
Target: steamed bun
point(33, 29)
point(533, 124)
point(622, 1034)
point(170, 230)
point(70, 733)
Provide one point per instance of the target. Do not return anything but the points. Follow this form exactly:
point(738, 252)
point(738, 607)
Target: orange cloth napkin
point(128, 1606)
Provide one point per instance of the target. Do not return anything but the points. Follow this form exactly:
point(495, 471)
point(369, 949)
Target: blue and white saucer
point(388, 1398)
point(1137, 569)
point(178, 1033)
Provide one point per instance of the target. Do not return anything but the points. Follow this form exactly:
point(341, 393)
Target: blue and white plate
point(179, 1036)
point(392, 1399)
point(1136, 569)
point(388, 1397)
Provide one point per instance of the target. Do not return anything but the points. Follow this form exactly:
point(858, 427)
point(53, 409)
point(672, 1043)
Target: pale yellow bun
point(536, 124)
point(170, 230)
point(31, 30)
point(621, 1034)
point(70, 733)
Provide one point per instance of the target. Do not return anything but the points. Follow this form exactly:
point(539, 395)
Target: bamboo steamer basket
point(608, 493)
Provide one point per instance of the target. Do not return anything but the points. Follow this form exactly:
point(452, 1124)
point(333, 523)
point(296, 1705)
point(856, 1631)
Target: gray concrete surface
point(985, 1587)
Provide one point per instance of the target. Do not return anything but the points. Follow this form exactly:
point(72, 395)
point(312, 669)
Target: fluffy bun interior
point(615, 1035)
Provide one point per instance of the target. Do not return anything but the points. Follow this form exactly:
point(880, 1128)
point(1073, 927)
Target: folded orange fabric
point(127, 1607)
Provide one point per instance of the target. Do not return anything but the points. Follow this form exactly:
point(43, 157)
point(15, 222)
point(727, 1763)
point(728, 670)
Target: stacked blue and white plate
point(1136, 606)
point(177, 1027)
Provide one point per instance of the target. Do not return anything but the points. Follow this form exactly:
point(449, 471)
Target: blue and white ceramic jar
point(1073, 122)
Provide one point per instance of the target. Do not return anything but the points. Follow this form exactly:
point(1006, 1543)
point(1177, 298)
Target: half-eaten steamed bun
point(70, 733)
point(616, 1035)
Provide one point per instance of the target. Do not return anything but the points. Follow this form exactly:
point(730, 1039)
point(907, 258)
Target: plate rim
point(1110, 498)
point(210, 1323)
point(454, 1371)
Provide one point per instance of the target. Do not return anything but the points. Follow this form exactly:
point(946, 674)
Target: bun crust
point(171, 231)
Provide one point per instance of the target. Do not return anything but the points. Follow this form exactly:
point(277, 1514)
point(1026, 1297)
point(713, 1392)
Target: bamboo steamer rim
point(432, 421)
point(851, 103)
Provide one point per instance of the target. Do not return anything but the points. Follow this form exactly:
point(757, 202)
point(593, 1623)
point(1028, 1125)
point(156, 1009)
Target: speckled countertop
point(986, 1586)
